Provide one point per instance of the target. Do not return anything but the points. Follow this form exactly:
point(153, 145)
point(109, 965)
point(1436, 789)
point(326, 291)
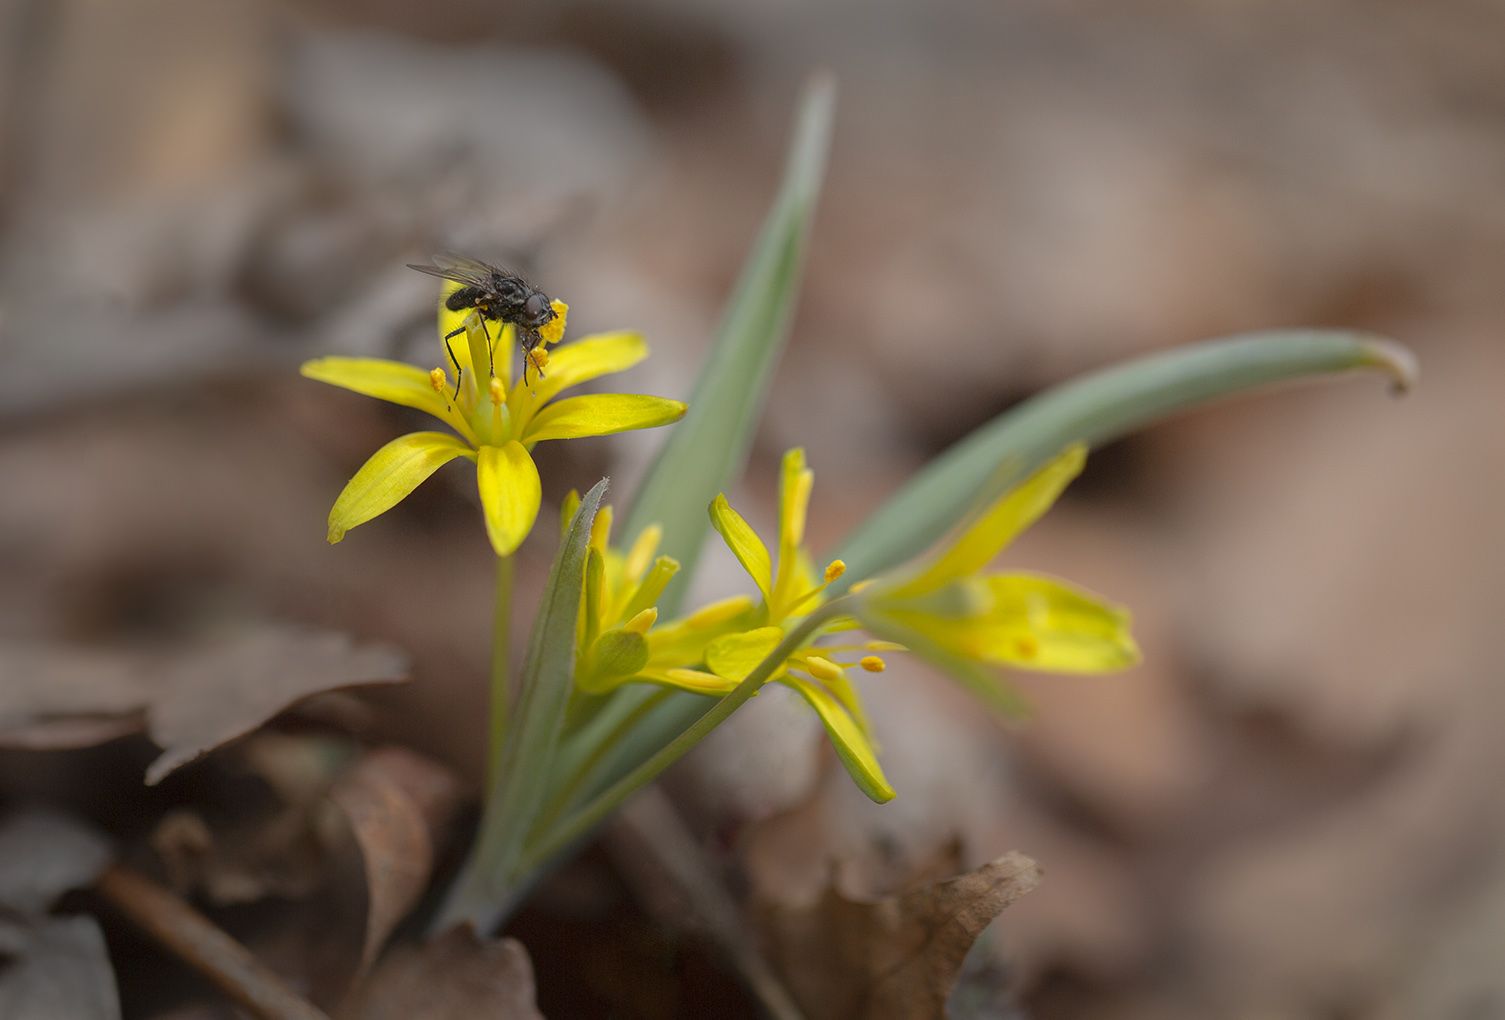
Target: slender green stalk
point(599, 749)
point(501, 680)
point(591, 814)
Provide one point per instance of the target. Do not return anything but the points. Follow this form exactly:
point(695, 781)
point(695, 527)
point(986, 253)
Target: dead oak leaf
point(251, 679)
point(399, 804)
point(898, 956)
point(457, 976)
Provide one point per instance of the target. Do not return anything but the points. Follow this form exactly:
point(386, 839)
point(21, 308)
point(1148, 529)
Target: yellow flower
point(620, 640)
point(496, 424)
point(791, 589)
point(959, 616)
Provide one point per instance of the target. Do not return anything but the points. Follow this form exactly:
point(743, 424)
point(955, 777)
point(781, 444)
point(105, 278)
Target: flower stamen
point(872, 663)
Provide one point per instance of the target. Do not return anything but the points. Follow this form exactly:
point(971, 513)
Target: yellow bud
point(823, 669)
point(644, 620)
point(498, 395)
point(439, 380)
point(872, 663)
point(835, 569)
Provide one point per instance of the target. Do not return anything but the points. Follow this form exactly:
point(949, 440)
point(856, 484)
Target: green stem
point(501, 683)
point(591, 814)
point(561, 800)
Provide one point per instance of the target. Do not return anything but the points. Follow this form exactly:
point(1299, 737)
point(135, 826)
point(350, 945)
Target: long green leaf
point(709, 447)
point(519, 787)
point(1097, 409)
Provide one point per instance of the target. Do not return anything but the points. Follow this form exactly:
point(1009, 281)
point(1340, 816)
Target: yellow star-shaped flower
point(496, 424)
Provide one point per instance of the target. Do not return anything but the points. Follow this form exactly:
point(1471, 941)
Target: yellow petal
point(736, 655)
point(392, 381)
point(852, 747)
point(983, 682)
point(744, 543)
point(392, 472)
point(693, 680)
point(683, 641)
point(510, 494)
point(1040, 623)
point(579, 362)
point(600, 415)
point(795, 484)
point(1000, 523)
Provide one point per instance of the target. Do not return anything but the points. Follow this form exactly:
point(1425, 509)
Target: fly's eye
point(537, 308)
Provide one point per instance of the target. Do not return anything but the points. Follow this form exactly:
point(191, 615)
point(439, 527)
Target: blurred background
point(1292, 809)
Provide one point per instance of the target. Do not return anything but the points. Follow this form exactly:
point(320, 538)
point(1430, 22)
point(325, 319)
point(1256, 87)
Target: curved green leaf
point(1097, 409)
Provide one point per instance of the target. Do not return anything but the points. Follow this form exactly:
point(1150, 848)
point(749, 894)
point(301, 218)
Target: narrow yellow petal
point(795, 483)
point(643, 548)
point(393, 381)
point(693, 680)
point(736, 655)
point(1000, 524)
point(510, 494)
point(852, 747)
point(392, 472)
point(581, 361)
point(744, 543)
point(601, 414)
point(1040, 623)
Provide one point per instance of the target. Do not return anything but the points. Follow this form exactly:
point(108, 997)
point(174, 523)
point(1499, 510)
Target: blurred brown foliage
point(1290, 809)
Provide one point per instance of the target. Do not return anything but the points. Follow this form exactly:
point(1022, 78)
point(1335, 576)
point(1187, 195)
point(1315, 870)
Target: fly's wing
point(461, 269)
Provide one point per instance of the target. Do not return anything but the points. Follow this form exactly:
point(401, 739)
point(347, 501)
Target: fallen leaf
point(254, 678)
point(57, 697)
point(43, 854)
point(398, 804)
point(844, 957)
point(457, 976)
point(55, 967)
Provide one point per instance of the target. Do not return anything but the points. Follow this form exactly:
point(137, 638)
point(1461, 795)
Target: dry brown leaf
point(399, 804)
point(55, 967)
point(899, 956)
point(189, 702)
point(457, 976)
point(254, 678)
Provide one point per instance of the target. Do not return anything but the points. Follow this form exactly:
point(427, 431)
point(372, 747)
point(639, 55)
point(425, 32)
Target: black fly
point(496, 294)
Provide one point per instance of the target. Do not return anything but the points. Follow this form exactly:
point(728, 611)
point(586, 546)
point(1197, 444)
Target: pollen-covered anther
point(498, 394)
point(823, 669)
point(439, 380)
point(642, 622)
point(835, 569)
point(539, 357)
point(872, 663)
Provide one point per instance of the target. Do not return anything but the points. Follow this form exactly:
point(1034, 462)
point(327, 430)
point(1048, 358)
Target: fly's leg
point(459, 372)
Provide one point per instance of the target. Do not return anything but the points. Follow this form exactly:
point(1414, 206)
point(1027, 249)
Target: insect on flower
point(496, 294)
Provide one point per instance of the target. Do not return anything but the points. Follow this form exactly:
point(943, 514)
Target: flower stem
point(592, 813)
point(582, 774)
point(501, 683)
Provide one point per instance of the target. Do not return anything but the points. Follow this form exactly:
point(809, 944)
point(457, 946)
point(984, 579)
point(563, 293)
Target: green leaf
point(1097, 409)
point(708, 449)
point(530, 744)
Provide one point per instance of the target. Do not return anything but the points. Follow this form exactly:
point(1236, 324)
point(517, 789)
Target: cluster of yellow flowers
point(951, 610)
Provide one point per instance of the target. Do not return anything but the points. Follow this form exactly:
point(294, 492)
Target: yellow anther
point(872, 663)
point(1027, 646)
point(644, 620)
point(861, 585)
point(884, 646)
point(539, 357)
point(439, 380)
point(823, 669)
point(552, 331)
point(835, 569)
point(498, 394)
